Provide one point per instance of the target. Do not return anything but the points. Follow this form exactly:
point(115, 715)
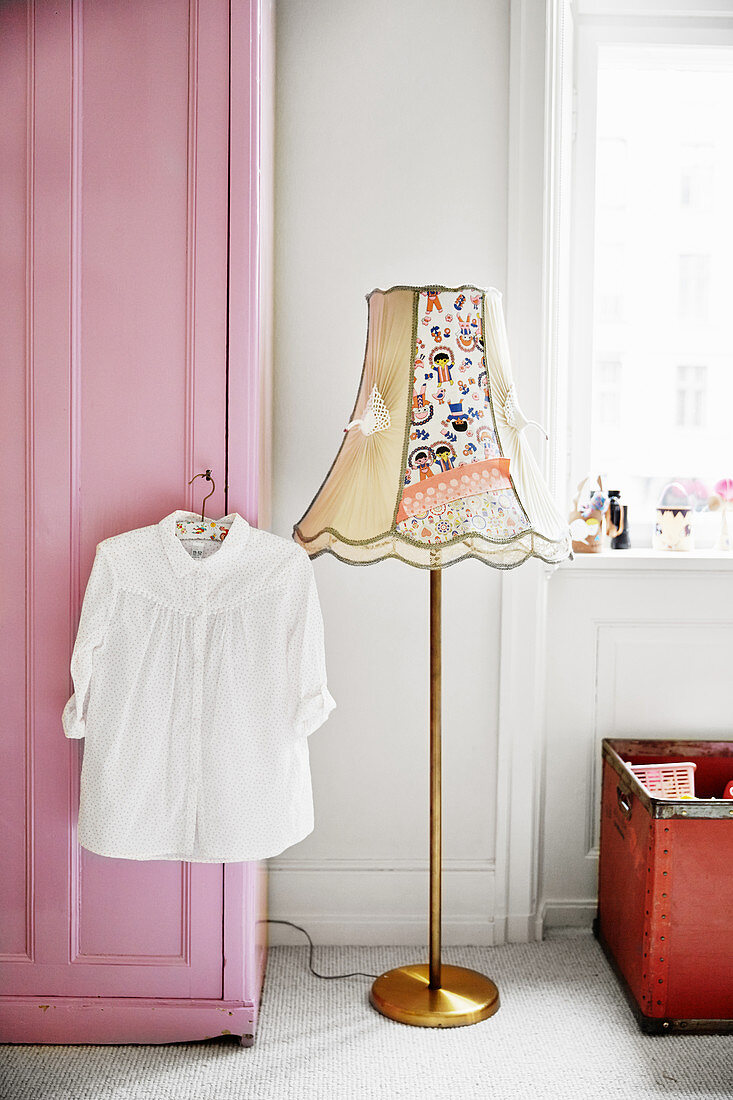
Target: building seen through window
point(694, 293)
point(663, 277)
point(608, 390)
point(691, 396)
point(696, 175)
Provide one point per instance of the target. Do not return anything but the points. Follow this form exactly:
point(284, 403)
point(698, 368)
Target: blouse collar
point(182, 562)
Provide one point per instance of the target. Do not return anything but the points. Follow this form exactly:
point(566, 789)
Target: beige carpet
point(564, 1030)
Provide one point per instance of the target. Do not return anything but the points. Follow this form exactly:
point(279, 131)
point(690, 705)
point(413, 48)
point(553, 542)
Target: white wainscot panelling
point(628, 657)
point(668, 680)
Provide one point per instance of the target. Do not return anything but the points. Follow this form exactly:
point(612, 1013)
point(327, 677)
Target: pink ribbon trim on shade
point(457, 484)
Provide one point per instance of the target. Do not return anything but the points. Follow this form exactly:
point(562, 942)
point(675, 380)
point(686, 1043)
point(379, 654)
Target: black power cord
point(354, 973)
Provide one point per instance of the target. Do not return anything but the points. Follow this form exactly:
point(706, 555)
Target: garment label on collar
point(202, 549)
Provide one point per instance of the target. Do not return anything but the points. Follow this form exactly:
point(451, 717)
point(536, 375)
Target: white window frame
point(597, 23)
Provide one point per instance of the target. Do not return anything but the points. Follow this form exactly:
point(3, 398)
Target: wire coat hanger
point(195, 530)
point(208, 477)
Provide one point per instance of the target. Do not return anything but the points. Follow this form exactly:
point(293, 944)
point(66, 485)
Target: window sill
point(660, 561)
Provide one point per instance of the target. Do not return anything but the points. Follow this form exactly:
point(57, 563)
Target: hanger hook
point(208, 477)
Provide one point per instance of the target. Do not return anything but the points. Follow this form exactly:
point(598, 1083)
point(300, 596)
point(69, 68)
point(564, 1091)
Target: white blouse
point(197, 681)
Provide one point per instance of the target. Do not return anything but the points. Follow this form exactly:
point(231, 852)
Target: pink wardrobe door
point(114, 140)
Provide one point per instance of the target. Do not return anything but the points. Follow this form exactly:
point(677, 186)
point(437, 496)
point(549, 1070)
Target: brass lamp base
point(464, 996)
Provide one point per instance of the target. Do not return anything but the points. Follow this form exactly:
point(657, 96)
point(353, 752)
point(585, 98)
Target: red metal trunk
point(665, 899)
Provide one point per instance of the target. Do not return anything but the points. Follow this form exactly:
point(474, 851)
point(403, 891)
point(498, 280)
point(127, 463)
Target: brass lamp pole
point(435, 995)
point(436, 776)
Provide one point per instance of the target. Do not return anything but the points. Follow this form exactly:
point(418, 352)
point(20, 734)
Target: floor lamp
point(432, 469)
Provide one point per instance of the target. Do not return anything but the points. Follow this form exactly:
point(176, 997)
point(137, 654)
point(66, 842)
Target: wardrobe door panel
point(114, 202)
point(15, 774)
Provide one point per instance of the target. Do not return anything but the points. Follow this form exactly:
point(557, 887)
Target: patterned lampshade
point(433, 466)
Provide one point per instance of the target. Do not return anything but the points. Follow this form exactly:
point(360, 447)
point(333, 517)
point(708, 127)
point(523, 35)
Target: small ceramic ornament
point(617, 521)
point(674, 530)
point(586, 516)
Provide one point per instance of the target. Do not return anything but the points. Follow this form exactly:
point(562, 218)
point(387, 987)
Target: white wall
point(391, 167)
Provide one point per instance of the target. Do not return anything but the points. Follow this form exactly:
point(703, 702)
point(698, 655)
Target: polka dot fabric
point(196, 685)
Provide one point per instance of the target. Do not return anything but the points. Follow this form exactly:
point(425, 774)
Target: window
point(650, 314)
point(696, 175)
point(694, 287)
point(613, 173)
point(608, 394)
point(691, 392)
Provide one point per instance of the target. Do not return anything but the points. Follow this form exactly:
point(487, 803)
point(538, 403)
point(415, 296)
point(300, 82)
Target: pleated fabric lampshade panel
point(433, 467)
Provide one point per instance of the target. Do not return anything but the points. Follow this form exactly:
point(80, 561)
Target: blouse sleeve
point(95, 615)
point(306, 654)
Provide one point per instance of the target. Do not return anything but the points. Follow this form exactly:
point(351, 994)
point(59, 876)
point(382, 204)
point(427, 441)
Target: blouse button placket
point(200, 602)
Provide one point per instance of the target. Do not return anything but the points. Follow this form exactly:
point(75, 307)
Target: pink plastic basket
point(666, 780)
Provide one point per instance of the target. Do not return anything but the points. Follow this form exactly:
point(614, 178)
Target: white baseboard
point(577, 913)
point(380, 902)
point(385, 902)
point(375, 865)
point(521, 928)
point(371, 931)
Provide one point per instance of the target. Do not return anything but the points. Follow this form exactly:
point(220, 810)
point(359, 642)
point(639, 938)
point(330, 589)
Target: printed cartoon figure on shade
point(445, 456)
point(422, 410)
point(427, 352)
point(467, 333)
point(422, 459)
point(457, 417)
point(441, 362)
point(486, 438)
